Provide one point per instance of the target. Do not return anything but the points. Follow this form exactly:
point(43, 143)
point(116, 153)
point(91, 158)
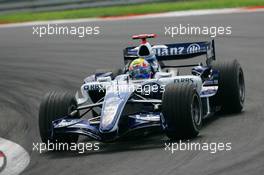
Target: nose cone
point(110, 112)
point(112, 109)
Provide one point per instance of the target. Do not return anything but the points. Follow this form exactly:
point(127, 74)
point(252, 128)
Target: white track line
point(147, 16)
point(17, 157)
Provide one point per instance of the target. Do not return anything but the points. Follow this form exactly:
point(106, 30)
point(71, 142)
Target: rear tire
point(56, 105)
point(231, 91)
point(182, 111)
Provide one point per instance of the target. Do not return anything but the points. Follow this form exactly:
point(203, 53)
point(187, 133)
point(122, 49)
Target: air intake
point(143, 51)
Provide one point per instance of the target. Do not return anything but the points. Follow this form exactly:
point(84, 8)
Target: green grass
point(127, 10)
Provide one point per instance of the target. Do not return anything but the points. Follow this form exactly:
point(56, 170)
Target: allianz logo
point(192, 48)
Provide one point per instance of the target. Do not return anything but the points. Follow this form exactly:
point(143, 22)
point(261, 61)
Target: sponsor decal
point(174, 49)
point(93, 87)
point(211, 82)
point(184, 80)
point(3, 161)
point(146, 117)
point(168, 51)
point(64, 123)
point(209, 90)
point(193, 48)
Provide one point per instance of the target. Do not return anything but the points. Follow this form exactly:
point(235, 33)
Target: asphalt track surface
point(31, 66)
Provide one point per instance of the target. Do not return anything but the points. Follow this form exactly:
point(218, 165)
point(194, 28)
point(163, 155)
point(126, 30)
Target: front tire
point(182, 111)
point(56, 105)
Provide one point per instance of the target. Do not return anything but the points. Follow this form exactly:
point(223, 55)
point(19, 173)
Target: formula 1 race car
point(116, 103)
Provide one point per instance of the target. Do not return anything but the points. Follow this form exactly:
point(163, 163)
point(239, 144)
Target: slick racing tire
point(231, 91)
point(54, 106)
point(182, 111)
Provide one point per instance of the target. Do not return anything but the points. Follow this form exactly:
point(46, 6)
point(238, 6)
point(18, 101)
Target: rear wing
point(176, 51)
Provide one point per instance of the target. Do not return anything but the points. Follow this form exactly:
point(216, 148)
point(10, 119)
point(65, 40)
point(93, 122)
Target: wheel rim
point(241, 87)
point(196, 111)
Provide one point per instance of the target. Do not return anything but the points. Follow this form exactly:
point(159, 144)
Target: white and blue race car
point(112, 104)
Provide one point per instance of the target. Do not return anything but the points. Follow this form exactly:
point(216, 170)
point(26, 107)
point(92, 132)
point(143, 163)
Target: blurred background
point(41, 10)
point(51, 5)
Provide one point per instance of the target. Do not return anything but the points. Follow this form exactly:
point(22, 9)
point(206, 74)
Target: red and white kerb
point(2, 161)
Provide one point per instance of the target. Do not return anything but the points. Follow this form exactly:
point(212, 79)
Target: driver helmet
point(140, 69)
